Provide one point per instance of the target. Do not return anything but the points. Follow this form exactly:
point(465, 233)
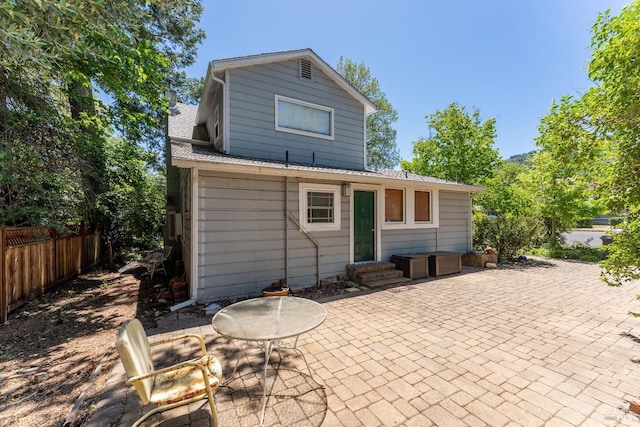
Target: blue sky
point(509, 58)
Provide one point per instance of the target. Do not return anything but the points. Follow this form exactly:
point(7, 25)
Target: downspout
point(194, 233)
point(314, 241)
point(286, 229)
point(225, 139)
point(470, 224)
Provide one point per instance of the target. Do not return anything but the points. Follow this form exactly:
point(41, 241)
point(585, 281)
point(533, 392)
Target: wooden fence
point(36, 259)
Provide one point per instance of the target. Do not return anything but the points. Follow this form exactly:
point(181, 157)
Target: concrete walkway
point(545, 345)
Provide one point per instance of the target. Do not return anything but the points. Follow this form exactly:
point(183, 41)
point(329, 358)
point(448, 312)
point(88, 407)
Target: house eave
point(305, 172)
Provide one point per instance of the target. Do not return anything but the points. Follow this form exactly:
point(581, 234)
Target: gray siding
point(407, 241)
point(252, 93)
point(453, 233)
point(242, 237)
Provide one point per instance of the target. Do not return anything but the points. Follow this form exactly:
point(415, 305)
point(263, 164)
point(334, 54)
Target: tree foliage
point(459, 147)
point(131, 206)
point(381, 136)
point(614, 112)
point(563, 175)
point(189, 89)
point(54, 133)
point(505, 218)
point(505, 192)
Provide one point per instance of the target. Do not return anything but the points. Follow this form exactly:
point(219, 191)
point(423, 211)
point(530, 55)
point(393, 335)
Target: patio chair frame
point(144, 390)
point(158, 260)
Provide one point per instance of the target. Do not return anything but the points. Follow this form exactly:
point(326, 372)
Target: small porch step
point(385, 282)
point(372, 276)
point(375, 274)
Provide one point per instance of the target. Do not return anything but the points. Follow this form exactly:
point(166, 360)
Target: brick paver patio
point(548, 345)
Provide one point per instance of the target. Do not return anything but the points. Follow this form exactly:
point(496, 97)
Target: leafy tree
point(614, 112)
point(189, 89)
point(459, 147)
point(131, 207)
point(381, 136)
point(562, 176)
point(53, 57)
point(505, 192)
point(505, 218)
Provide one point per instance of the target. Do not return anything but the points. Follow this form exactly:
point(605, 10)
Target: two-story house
point(268, 180)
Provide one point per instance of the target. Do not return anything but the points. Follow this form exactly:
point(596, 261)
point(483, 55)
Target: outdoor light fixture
point(346, 190)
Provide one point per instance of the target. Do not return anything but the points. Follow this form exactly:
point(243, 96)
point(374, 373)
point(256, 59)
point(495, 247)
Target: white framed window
point(303, 118)
point(422, 206)
point(320, 206)
point(394, 205)
point(410, 208)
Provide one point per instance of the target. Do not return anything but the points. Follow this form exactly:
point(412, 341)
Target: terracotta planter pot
point(270, 292)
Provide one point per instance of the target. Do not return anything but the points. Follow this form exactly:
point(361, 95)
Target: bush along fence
point(36, 259)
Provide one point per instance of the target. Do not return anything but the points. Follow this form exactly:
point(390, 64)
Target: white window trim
point(404, 207)
point(409, 210)
point(305, 104)
point(337, 206)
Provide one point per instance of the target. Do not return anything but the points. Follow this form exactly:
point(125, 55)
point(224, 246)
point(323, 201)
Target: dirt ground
point(57, 351)
point(56, 344)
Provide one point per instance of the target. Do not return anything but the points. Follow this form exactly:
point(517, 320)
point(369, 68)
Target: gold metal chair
point(170, 387)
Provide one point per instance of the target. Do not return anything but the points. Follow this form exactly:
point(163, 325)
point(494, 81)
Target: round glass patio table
point(269, 320)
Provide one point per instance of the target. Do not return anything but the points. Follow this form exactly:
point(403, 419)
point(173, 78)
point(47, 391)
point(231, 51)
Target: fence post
point(82, 243)
point(4, 298)
point(54, 236)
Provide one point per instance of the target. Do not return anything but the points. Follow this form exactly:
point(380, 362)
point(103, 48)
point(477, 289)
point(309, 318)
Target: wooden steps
point(376, 274)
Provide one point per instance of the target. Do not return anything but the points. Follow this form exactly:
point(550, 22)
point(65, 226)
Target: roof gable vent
point(305, 69)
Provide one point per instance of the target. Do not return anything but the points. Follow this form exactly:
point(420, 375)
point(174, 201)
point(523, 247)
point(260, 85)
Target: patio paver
point(535, 346)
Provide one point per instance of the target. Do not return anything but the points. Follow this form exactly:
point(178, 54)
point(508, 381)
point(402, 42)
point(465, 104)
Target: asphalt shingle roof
point(183, 152)
point(182, 121)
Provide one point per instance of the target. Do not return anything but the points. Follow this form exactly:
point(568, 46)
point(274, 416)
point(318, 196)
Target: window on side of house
point(216, 124)
point(320, 206)
point(303, 118)
point(393, 205)
point(422, 206)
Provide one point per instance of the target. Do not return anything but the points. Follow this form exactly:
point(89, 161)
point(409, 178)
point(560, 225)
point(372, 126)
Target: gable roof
point(186, 155)
point(220, 65)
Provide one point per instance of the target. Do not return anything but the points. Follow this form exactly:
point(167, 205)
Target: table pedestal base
point(268, 347)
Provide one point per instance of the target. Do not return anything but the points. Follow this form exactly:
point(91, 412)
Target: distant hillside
point(523, 159)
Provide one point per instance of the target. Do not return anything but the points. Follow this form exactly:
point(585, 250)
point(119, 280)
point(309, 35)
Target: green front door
point(363, 226)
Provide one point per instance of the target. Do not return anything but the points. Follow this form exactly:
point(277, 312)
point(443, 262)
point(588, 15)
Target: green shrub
point(584, 223)
point(615, 221)
point(576, 251)
point(506, 233)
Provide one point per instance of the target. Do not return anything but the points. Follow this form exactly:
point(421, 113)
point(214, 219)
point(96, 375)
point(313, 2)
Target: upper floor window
point(303, 118)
